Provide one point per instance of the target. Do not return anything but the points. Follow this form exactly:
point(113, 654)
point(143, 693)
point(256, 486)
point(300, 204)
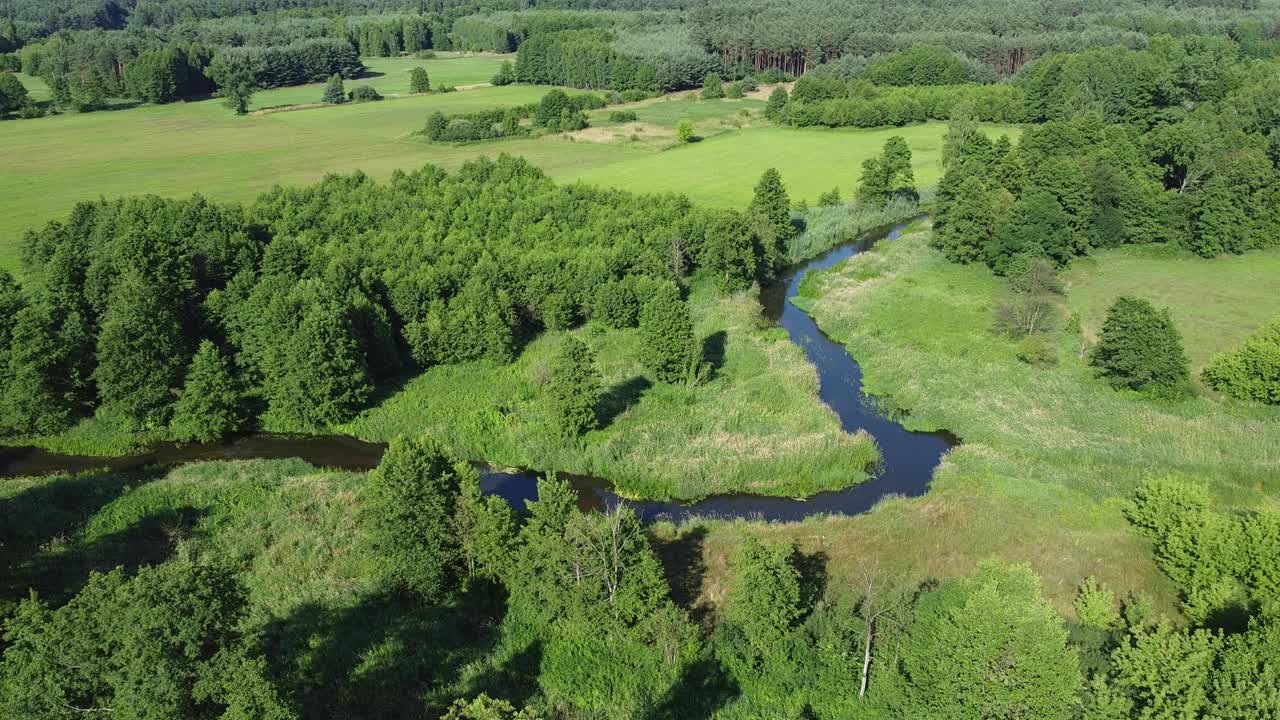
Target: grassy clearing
point(37, 89)
point(390, 77)
point(1049, 454)
point(755, 427)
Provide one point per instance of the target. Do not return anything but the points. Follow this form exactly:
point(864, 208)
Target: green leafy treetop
point(668, 347)
point(209, 407)
point(334, 92)
point(771, 204)
point(237, 78)
point(13, 94)
point(888, 176)
point(712, 87)
point(419, 81)
point(776, 108)
point(506, 74)
point(1140, 349)
point(684, 131)
point(413, 494)
point(1253, 371)
point(574, 388)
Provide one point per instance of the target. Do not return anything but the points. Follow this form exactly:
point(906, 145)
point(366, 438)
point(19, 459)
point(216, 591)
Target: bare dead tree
point(879, 604)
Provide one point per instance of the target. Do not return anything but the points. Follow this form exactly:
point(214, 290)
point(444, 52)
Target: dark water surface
point(908, 457)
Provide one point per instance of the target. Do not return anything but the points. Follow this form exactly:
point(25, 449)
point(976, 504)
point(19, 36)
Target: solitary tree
point(209, 406)
point(684, 131)
point(334, 93)
point(419, 81)
point(237, 78)
point(667, 342)
point(712, 87)
point(13, 94)
point(776, 108)
point(771, 204)
point(575, 387)
point(1140, 349)
point(413, 495)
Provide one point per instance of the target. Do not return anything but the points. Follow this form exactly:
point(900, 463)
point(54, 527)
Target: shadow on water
point(908, 458)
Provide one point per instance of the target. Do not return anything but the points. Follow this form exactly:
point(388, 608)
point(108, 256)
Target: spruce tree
point(971, 220)
point(574, 388)
point(324, 379)
point(209, 407)
point(410, 511)
point(668, 347)
point(1140, 349)
point(771, 204)
point(334, 93)
point(419, 81)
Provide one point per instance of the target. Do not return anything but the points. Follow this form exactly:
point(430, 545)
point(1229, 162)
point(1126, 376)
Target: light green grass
point(1049, 454)
point(37, 88)
point(1215, 303)
point(756, 426)
point(390, 76)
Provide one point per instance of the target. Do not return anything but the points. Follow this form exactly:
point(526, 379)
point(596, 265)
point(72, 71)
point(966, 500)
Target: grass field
point(390, 76)
point(1049, 454)
point(756, 426)
point(174, 150)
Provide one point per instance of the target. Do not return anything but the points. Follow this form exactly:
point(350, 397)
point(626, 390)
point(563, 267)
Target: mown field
point(175, 150)
point(1051, 454)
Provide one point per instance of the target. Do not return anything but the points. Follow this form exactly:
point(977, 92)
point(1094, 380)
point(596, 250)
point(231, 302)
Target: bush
point(734, 91)
point(425, 55)
point(10, 62)
point(684, 131)
point(622, 116)
point(1037, 350)
point(333, 91)
point(1095, 605)
point(1024, 315)
point(774, 75)
point(830, 198)
point(1140, 349)
point(634, 95)
point(364, 93)
point(419, 81)
point(1253, 371)
point(616, 304)
point(506, 74)
point(712, 87)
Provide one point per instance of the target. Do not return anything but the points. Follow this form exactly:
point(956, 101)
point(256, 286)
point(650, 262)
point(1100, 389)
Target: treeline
point(291, 312)
point(586, 614)
point(1171, 144)
point(799, 36)
point(556, 112)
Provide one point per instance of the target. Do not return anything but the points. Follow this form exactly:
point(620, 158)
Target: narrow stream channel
point(908, 458)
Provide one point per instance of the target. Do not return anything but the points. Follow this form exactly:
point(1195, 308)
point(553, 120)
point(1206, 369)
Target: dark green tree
point(889, 175)
point(324, 377)
point(772, 206)
point(712, 87)
point(236, 75)
point(1035, 225)
point(153, 77)
point(775, 109)
point(574, 388)
point(668, 347)
point(988, 645)
point(1251, 372)
point(419, 81)
point(765, 601)
point(729, 250)
point(971, 220)
point(1140, 349)
point(411, 506)
point(506, 74)
point(486, 530)
point(209, 407)
point(13, 94)
point(334, 92)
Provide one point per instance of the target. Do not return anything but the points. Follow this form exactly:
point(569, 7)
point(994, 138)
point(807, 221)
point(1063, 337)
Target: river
point(908, 458)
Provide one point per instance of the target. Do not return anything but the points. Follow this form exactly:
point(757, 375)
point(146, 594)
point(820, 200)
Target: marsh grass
point(827, 227)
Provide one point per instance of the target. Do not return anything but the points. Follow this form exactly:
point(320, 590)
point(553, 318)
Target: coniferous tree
point(764, 602)
point(771, 204)
point(13, 94)
point(971, 220)
point(419, 81)
point(775, 109)
point(668, 347)
point(729, 250)
point(574, 388)
point(142, 353)
point(413, 496)
point(712, 87)
point(324, 378)
point(334, 92)
point(209, 407)
point(1140, 349)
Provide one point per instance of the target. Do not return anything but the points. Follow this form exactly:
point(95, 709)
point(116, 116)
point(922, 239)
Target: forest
point(826, 360)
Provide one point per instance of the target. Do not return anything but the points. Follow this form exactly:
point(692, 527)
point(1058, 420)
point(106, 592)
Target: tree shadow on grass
point(685, 567)
point(617, 399)
point(813, 576)
point(713, 351)
point(385, 656)
point(703, 689)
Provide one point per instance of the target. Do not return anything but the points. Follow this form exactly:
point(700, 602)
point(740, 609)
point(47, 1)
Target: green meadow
point(1049, 454)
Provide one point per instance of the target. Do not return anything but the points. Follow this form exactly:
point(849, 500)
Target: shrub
point(425, 55)
point(1037, 350)
point(634, 95)
point(1140, 349)
point(616, 304)
point(1095, 605)
point(776, 109)
point(748, 84)
point(1251, 372)
point(364, 93)
point(446, 89)
point(712, 87)
point(419, 81)
point(734, 91)
point(622, 116)
point(684, 131)
point(774, 75)
point(830, 198)
point(506, 74)
point(1021, 315)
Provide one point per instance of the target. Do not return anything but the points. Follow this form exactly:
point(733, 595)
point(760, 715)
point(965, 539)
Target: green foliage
point(419, 80)
point(616, 304)
point(1251, 372)
point(412, 498)
point(237, 78)
point(483, 707)
point(669, 349)
point(730, 250)
point(831, 198)
point(323, 376)
point(970, 221)
point(506, 74)
point(334, 93)
point(1164, 672)
point(764, 602)
point(775, 109)
point(988, 645)
point(574, 388)
point(920, 65)
point(734, 91)
point(888, 176)
point(1037, 349)
point(486, 530)
point(156, 76)
point(770, 204)
point(210, 405)
point(1140, 349)
point(364, 93)
point(712, 87)
point(622, 116)
point(684, 131)
point(1095, 605)
point(164, 643)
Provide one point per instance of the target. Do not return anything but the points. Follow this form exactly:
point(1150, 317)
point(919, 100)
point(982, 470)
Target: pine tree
point(771, 204)
point(209, 407)
point(574, 388)
point(775, 109)
point(334, 93)
point(419, 81)
point(324, 378)
point(1140, 349)
point(667, 342)
point(412, 499)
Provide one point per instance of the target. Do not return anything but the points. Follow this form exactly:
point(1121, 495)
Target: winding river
point(908, 458)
